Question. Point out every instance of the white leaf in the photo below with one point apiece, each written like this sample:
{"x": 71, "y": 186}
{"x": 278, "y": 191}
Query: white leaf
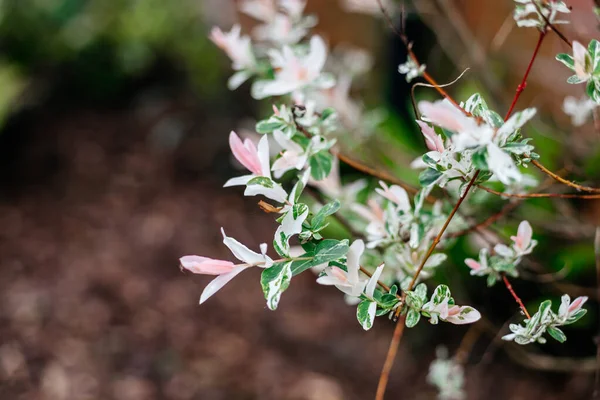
{"x": 353, "y": 260}
{"x": 502, "y": 165}
{"x": 373, "y": 281}
{"x": 219, "y": 282}
{"x": 243, "y": 253}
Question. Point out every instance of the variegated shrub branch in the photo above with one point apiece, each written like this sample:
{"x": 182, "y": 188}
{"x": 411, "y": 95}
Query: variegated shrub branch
{"x": 382, "y": 270}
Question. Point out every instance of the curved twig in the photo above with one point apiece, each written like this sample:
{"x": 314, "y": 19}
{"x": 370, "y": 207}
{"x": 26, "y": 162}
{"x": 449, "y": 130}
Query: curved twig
{"x": 563, "y": 180}
{"x": 540, "y": 195}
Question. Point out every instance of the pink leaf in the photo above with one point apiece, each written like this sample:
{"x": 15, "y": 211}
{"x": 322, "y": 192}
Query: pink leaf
{"x": 246, "y": 153}
{"x": 205, "y": 265}
{"x": 474, "y": 265}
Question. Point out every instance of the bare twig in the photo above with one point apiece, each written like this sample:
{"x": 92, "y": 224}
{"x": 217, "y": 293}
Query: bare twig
{"x": 467, "y": 343}
{"x": 563, "y": 180}
{"x": 396, "y": 339}
{"x": 412, "y": 55}
{"x": 540, "y": 195}
{"x": 377, "y": 174}
{"x": 516, "y": 297}
{"x": 389, "y": 359}
{"x": 523, "y": 83}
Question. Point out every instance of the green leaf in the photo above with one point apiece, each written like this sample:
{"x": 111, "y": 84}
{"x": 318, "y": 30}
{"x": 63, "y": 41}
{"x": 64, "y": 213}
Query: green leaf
{"x": 567, "y": 60}
{"x": 365, "y": 313}
{"x": 326, "y": 113}
{"x": 300, "y": 266}
{"x": 491, "y": 280}
{"x": 494, "y": 119}
{"x": 484, "y": 176}
{"x": 440, "y": 293}
{"x": 299, "y": 209}
{"x": 428, "y": 160}
{"x": 268, "y": 126}
{"x": 413, "y": 300}
{"x": 575, "y": 317}
{"x": 325, "y": 211}
{"x": 557, "y": 334}
{"x": 394, "y": 290}
{"x": 330, "y": 250}
{"x": 324, "y": 252}
{"x": 429, "y": 176}
{"x": 297, "y": 190}
{"x": 412, "y": 318}
{"x": 544, "y": 310}
{"x": 262, "y": 181}
{"x": 476, "y": 105}
{"x": 594, "y": 52}
{"x": 518, "y": 148}
{"x": 417, "y": 233}
{"x": 479, "y": 159}
{"x": 283, "y": 252}
{"x": 574, "y": 80}
{"x": 421, "y": 291}
{"x": 309, "y": 247}
{"x": 596, "y": 91}
{"x": 590, "y": 89}
{"x": 381, "y": 311}
{"x": 320, "y": 165}
{"x": 274, "y": 281}
{"x": 388, "y": 300}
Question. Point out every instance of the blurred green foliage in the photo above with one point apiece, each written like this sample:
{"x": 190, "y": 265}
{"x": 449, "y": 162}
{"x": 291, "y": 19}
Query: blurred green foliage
{"x": 99, "y": 45}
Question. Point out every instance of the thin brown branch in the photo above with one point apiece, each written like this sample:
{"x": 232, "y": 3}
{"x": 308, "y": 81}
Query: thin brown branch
{"x": 479, "y": 227}
{"x": 393, "y": 349}
{"x": 516, "y": 297}
{"x": 523, "y": 83}
{"x": 413, "y": 56}
{"x": 442, "y": 231}
{"x": 563, "y": 180}
{"x": 376, "y": 173}
{"x": 540, "y": 195}
{"x": 467, "y": 343}
{"x": 496, "y": 342}
{"x": 399, "y": 329}
{"x": 389, "y": 359}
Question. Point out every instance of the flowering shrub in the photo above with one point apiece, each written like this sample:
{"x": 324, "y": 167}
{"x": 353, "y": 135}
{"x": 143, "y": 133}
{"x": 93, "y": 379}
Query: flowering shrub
{"x": 393, "y": 241}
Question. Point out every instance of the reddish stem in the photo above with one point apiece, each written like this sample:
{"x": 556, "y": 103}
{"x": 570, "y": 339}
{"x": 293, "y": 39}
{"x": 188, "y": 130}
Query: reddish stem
{"x": 523, "y": 83}
{"x": 516, "y": 297}
{"x": 389, "y": 359}
{"x": 540, "y": 195}
{"x": 391, "y": 355}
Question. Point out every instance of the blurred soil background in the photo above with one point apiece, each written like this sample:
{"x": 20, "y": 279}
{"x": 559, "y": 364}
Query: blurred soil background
{"x": 113, "y": 153}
